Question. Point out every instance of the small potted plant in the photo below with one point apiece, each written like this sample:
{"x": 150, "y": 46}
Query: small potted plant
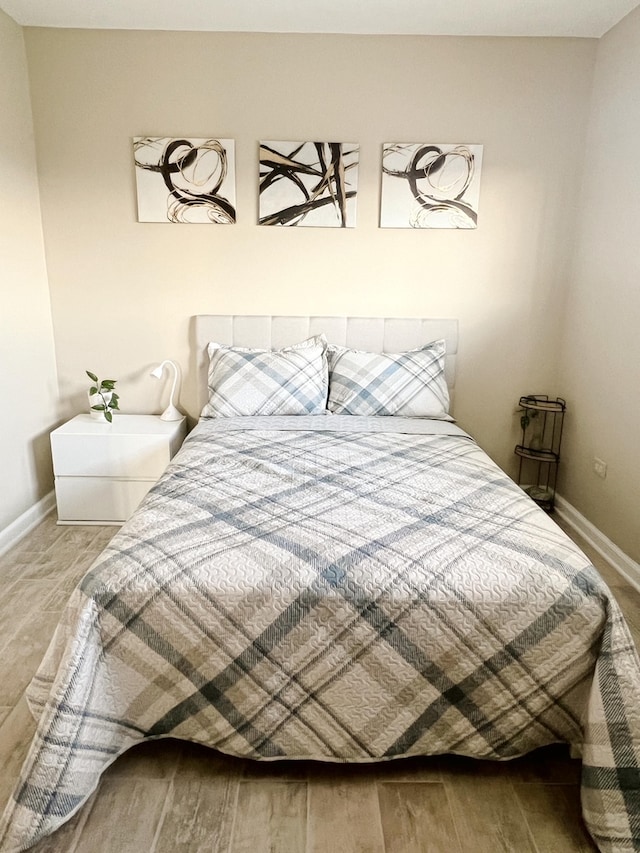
{"x": 528, "y": 415}
{"x": 103, "y": 400}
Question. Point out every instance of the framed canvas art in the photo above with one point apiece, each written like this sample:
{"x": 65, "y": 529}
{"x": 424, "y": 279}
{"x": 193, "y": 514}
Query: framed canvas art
{"x": 308, "y": 183}
{"x": 429, "y": 185}
{"x": 185, "y": 180}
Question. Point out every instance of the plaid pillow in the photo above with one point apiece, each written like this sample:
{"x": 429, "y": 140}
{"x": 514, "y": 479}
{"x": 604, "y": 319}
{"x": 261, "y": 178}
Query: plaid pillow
{"x": 410, "y": 384}
{"x": 289, "y": 381}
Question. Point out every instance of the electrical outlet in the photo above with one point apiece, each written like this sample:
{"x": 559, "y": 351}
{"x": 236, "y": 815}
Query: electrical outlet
{"x": 599, "y": 467}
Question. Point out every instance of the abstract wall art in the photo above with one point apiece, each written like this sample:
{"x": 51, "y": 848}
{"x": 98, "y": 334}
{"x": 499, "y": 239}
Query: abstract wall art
{"x": 428, "y": 185}
{"x": 308, "y": 183}
{"x": 185, "y": 180}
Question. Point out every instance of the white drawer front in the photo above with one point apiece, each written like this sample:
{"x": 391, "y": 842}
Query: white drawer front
{"x": 133, "y": 456}
{"x": 98, "y": 498}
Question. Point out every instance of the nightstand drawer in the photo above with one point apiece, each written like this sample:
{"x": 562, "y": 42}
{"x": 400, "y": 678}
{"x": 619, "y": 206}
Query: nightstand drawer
{"x": 98, "y": 499}
{"x": 128, "y": 456}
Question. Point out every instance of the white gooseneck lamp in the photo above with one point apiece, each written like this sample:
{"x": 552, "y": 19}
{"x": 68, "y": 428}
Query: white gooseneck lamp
{"x": 170, "y": 413}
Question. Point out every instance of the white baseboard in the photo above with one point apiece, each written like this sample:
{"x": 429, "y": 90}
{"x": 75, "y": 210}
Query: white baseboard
{"x": 623, "y": 564}
{"x": 12, "y": 534}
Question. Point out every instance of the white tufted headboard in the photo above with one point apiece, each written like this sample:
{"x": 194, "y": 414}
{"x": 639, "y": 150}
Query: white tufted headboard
{"x": 374, "y": 334}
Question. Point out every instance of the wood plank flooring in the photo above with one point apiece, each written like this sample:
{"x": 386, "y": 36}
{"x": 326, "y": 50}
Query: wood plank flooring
{"x": 175, "y": 797}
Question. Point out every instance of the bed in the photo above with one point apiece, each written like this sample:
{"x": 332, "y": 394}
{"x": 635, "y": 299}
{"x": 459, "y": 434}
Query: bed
{"x": 353, "y": 582}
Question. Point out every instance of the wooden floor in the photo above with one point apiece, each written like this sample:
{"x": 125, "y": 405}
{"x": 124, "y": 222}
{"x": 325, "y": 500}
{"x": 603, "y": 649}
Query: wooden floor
{"x": 173, "y": 797}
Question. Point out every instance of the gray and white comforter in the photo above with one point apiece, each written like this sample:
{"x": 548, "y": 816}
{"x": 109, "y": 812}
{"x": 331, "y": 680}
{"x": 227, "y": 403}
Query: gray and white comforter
{"x": 343, "y": 589}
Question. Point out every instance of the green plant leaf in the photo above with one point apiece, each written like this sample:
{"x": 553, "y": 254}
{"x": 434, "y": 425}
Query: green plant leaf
{"x": 99, "y": 408}
{"x": 93, "y": 390}
{"x": 113, "y": 404}
{"x": 92, "y": 376}
{"x": 108, "y": 416}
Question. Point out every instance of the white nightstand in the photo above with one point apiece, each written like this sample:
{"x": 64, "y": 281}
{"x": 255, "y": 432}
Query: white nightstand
{"x": 102, "y": 471}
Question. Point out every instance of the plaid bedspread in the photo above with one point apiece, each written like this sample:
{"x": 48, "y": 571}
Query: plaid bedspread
{"x": 343, "y": 589}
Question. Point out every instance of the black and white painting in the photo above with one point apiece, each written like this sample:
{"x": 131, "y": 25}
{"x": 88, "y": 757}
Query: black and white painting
{"x": 308, "y": 183}
{"x": 185, "y": 180}
{"x": 428, "y": 185}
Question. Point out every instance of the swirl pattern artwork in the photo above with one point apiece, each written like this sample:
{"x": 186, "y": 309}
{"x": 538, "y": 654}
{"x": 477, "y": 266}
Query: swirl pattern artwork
{"x": 308, "y": 183}
{"x": 429, "y": 185}
{"x": 185, "y": 180}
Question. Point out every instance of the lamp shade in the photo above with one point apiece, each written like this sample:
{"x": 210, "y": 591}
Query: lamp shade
{"x": 171, "y": 413}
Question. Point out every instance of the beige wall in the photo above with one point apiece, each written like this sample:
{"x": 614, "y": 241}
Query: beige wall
{"x": 123, "y": 292}
{"x": 600, "y": 359}
{"x": 28, "y": 386}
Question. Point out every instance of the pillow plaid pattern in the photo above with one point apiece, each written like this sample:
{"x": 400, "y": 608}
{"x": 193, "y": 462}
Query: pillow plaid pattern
{"x": 409, "y": 384}
{"x": 246, "y": 382}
